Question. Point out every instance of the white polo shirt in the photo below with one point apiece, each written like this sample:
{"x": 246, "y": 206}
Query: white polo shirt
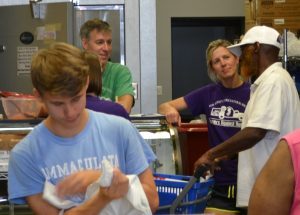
{"x": 274, "y": 106}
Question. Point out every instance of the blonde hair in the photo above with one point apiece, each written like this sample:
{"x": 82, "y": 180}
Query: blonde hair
{"x": 60, "y": 70}
{"x": 209, "y": 52}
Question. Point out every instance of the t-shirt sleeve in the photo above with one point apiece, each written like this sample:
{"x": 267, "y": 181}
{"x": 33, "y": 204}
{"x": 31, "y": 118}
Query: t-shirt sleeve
{"x": 267, "y": 109}
{"x": 196, "y": 99}
{"x": 124, "y": 82}
{"x": 23, "y": 179}
{"x": 293, "y": 142}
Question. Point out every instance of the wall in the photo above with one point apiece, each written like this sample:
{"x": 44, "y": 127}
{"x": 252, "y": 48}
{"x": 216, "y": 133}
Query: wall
{"x": 150, "y": 63}
{"x": 165, "y": 9}
{"x": 140, "y": 50}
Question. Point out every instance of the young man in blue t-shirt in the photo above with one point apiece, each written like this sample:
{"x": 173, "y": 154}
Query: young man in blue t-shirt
{"x": 68, "y": 147}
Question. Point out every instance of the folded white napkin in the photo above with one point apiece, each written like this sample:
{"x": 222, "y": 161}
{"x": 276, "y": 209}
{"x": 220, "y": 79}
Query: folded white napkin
{"x": 134, "y": 203}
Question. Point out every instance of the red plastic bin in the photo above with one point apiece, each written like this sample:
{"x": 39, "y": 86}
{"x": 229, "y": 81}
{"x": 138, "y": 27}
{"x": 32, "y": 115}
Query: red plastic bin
{"x": 193, "y": 138}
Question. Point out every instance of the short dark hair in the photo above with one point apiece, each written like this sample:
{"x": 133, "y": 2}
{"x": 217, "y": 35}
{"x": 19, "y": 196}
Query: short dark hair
{"x": 92, "y": 24}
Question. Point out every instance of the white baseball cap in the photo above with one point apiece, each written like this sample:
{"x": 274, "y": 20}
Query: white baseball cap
{"x": 261, "y": 34}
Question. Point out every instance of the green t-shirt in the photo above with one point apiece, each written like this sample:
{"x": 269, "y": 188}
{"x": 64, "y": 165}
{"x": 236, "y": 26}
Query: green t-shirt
{"x": 116, "y": 81}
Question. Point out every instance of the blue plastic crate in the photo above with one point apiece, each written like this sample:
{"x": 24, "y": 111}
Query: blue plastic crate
{"x": 168, "y": 190}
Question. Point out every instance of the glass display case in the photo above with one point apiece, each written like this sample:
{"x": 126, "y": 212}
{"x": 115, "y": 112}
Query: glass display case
{"x": 11, "y": 132}
{"x": 163, "y": 140}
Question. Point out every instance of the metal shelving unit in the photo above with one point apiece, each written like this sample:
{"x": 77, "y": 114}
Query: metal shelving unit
{"x": 291, "y": 63}
{"x": 3, "y": 176}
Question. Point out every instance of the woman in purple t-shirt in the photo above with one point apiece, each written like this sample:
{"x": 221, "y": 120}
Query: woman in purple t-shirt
{"x": 223, "y": 103}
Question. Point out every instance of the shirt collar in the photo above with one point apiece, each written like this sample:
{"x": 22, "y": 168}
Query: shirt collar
{"x": 267, "y": 73}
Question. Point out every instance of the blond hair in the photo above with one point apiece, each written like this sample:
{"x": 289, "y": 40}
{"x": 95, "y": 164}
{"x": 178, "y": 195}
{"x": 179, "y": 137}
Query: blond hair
{"x": 209, "y": 52}
{"x": 60, "y": 70}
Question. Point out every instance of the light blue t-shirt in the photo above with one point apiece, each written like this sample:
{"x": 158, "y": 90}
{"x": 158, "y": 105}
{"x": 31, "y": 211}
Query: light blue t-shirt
{"x": 42, "y": 156}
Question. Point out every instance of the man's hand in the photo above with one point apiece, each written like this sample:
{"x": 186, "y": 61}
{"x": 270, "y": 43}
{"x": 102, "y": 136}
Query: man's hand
{"x": 118, "y": 188}
{"x": 77, "y": 183}
{"x": 206, "y": 159}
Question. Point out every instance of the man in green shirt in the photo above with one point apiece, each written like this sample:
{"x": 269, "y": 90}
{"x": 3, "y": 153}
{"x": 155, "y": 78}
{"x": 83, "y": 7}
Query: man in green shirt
{"x": 96, "y": 36}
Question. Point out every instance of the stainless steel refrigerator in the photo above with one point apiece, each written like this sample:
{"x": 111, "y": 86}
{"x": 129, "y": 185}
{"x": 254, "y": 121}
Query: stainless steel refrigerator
{"x": 26, "y": 28}
{"x": 21, "y": 35}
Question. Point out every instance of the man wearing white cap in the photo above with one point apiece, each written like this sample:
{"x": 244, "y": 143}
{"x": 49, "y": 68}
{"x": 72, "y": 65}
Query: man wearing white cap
{"x": 272, "y": 111}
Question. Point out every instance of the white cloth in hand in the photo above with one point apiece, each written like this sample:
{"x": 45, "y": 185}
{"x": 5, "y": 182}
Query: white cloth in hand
{"x": 134, "y": 203}
{"x": 50, "y": 195}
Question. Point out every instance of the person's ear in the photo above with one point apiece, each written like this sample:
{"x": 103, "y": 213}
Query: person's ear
{"x": 84, "y": 43}
{"x": 256, "y": 47}
{"x": 37, "y": 94}
{"x": 87, "y": 82}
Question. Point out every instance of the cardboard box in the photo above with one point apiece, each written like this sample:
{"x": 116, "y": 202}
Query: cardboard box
{"x": 275, "y": 8}
{"x": 250, "y": 10}
{"x": 280, "y": 23}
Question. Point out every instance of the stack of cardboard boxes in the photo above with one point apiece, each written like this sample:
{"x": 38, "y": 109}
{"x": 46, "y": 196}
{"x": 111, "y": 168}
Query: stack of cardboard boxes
{"x": 279, "y": 14}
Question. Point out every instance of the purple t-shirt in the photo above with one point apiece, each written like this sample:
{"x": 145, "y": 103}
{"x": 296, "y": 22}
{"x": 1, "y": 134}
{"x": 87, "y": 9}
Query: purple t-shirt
{"x": 96, "y": 104}
{"x": 224, "y": 109}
